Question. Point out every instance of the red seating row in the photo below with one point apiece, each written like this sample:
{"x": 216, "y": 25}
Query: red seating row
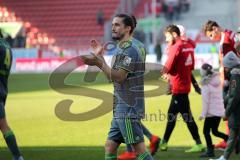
{"x": 56, "y": 20}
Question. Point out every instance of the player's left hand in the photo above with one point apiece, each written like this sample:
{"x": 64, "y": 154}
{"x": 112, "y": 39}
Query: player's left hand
{"x": 93, "y": 60}
{"x": 198, "y": 90}
{"x": 97, "y": 47}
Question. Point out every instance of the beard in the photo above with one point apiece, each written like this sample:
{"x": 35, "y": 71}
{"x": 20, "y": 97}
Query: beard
{"x": 117, "y": 37}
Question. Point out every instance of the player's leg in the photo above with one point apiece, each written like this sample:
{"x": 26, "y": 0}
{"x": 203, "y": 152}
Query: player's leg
{"x": 128, "y": 154}
{"x": 131, "y": 129}
{"x": 230, "y": 144}
{"x": 154, "y": 140}
{"x": 111, "y": 150}
{"x": 171, "y": 122}
{"x": 184, "y": 106}
{"x": 224, "y": 83}
{"x": 142, "y": 152}
{"x": 8, "y": 134}
{"x": 237, "y": 146}
{"x": 113, "y": 141}
{"x": 154, "y": 144}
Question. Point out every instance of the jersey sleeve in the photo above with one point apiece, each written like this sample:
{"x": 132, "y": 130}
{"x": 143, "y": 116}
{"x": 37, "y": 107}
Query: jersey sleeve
{"x": 172, "y": 56}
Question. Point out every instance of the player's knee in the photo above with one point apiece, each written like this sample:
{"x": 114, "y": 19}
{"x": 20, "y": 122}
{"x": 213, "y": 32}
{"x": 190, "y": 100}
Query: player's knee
{"x": 110, "y": 147}
{"x": 139, "y": 148}
{"x": 3, "y": 125}
{"x": 215, "y": 132}
{"x": 206, "y": 132}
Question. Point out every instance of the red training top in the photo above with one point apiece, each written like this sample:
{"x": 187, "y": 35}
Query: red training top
{"x": 179, "y": 65}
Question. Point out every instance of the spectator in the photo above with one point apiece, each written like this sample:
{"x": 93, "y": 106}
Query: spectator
{"x": 21, "y": 38}
{"x": 212, "y": 106}
{"x": 158, "y": 51}
{"x": 100, "y": 17}
{"x": 139, "y": 35}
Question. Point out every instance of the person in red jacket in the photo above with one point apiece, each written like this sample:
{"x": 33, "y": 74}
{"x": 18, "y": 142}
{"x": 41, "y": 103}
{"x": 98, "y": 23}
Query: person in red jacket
{"x": 193, "y": 44}
{"x": 179, "y": 66}
{"x": 229, "y": 41}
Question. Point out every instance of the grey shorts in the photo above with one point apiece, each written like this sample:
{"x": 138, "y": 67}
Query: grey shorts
{"x": 126, "y": 130}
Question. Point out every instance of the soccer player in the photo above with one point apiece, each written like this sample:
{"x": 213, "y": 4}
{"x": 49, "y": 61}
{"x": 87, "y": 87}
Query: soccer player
{"x": 179, "y": 65}
{"x": 5, "y": 66}
{"x": 154, "y": 140}
{"x": 127, "y": 76}
{"x": 228, "y": 42}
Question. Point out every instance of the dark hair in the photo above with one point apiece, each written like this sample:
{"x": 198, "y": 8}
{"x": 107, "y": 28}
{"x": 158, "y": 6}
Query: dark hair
{"x": 209, "y": 26}
{"x": 134, "y": 21}
{"x": 172, "y": 28}
{"x": 128, "y": 21}
{"x": 208, "y": 68}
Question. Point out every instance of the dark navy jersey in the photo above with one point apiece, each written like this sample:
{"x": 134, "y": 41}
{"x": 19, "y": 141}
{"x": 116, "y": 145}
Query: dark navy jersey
{"x": 5, "y": 66}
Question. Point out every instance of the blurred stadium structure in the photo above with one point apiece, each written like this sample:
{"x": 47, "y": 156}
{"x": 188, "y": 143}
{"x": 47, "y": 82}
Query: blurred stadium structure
{"x": 46, "y": 33}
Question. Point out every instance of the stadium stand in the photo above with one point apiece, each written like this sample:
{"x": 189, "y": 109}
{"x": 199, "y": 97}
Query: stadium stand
{"x": 68, "y": 24}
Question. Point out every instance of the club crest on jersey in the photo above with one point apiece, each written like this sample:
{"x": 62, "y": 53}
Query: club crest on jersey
{"x": 127, "y": 60}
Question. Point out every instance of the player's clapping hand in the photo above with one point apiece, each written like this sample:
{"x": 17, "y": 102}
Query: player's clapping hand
{"x": 93, "y": 60}
{"x": 97, "y": 47}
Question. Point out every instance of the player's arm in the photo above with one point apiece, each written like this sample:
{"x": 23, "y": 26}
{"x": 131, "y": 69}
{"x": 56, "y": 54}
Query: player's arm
{"x": 170, "y": 63}
{"x": 195, "y": 84}
{"x": 114, "y": 75}
{"x": 124, "y": 64}
{"x": 99, "y": 61}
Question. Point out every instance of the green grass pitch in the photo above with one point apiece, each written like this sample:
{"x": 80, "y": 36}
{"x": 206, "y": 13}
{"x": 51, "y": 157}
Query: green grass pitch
{"x": 42, "y": 135}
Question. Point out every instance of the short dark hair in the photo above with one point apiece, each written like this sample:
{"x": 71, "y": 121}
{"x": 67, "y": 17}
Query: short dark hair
{"x": 172, "y": 28}
{"x": 128, "y": 21}
{"x": 209, "y": 26}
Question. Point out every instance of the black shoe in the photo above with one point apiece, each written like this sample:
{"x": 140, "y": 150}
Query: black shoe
{"x": 209, "y": 153}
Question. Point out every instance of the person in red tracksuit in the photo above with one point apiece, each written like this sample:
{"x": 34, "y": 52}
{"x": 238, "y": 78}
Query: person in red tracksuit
{"x": 179, "y": 66}
{"x": 229, "y": 41}
{"x": 193, "y": 44}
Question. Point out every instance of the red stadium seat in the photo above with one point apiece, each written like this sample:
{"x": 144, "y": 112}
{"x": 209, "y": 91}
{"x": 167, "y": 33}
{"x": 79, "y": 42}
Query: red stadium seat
{"x": 68, "y": 22}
